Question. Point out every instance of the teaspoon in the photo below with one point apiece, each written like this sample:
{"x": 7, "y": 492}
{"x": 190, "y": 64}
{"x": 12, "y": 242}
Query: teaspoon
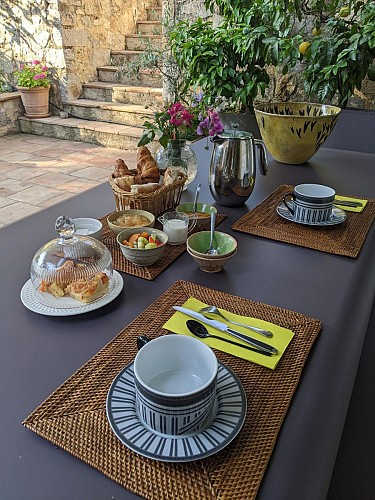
{"x": 212, "y": 310}
{"x": 196, "y": 198}
{"x": 201, "y": 331}
{"x": 211, "y": 250}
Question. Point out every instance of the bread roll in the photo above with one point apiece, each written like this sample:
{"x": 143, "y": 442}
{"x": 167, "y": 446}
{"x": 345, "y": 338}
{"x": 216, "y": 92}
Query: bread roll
{"x": 170, "y": 175}
{"x": 145, "y": 188}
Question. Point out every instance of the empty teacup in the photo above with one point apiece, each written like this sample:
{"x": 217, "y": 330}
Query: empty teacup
{"x": 310, "y": 203}
{"x": 175, "y": 380}
{"x": 177, "y": 225}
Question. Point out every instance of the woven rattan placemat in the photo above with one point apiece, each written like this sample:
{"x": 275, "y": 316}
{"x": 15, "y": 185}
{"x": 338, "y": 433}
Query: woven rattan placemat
{"x": 120, "y": 263}
{"x": 74, "y": 416}
{"x": 343, "y": 239}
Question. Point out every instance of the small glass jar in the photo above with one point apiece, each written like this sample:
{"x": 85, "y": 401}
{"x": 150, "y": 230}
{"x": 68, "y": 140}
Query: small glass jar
{"x": 178, "y": 155}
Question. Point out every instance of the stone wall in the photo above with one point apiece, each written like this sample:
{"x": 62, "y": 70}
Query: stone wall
{"x": 72, "y": 36}
{"x": 10, "y": 109}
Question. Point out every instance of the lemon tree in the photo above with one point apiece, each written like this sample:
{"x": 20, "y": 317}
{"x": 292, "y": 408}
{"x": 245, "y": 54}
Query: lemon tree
{"x": 334, "y": 40}
{"x": 341, "y": 58}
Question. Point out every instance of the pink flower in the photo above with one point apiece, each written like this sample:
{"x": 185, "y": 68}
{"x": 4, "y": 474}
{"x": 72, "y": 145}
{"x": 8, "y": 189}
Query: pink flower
{"x": 44, "y": 68}
{"x": 40, "y": 76}
{"x": 179, "y": 115}
{"x": 36, "y": 62}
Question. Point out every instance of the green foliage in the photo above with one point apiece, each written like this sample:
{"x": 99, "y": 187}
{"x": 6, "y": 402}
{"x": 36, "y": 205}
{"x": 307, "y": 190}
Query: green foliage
{"x": 32, "y": 75}
{"x": 342, "y": 56}
{"x": 230, "y": 60}
{"x": 5, "y": 85}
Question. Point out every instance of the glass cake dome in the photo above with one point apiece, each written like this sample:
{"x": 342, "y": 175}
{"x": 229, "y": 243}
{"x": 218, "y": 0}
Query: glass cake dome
{"x": 71, "y": 270}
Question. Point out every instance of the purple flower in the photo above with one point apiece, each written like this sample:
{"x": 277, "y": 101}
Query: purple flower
{"x": 197, "y": 99}
{"x": 211, "y": 124}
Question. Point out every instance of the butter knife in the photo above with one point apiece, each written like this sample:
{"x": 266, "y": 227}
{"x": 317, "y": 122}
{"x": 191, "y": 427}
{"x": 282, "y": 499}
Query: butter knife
{"x": 225, "y": 328}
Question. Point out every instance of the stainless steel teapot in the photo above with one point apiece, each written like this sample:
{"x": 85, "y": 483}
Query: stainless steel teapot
{"x": 233, "y": 166}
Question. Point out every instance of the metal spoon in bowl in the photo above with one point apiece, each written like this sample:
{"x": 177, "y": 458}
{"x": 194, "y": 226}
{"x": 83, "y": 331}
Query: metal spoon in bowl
{"x": 211, "y": 250}
{"x": 212, "y": 310}
{"x": 196, "y": 198}
{"x": 201, "y": 331}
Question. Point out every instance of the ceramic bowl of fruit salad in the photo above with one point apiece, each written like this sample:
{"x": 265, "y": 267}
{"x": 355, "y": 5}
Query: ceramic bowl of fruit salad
{"x": 142, "y": 247}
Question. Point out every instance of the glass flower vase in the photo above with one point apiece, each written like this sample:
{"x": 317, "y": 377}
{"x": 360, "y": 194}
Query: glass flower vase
{"x": 178, "y": 155}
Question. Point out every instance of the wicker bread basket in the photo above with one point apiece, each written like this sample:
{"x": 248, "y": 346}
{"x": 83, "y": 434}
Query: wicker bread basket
{"x": 165, "y": 198}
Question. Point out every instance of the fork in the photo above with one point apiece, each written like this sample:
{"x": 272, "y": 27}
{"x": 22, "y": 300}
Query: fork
{"x": 213, "y": 310}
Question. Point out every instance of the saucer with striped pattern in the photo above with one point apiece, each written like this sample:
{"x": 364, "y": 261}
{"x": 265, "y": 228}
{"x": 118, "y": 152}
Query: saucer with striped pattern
{"x": 338, "y": 216}
{"x": 133, "y": 433}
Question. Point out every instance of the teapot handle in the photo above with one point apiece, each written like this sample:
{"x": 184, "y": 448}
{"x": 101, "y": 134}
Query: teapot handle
{"x": 263, "y": 167}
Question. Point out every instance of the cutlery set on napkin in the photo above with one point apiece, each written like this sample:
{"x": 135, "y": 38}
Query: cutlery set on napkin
{"x": 251, "y": 347}
{"x": 350, "y": 204}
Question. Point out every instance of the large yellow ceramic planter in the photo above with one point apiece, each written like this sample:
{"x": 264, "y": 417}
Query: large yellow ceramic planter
{"x": 293, "y": 132}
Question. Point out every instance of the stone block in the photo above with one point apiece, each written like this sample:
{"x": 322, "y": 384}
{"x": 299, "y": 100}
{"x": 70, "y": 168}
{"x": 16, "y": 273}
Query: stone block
{"x": 75, "y": 38}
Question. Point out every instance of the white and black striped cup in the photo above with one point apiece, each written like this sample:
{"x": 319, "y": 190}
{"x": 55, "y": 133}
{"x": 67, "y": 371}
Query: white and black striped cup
{"x": 310, "y": 203}
{"x": 175, "y": 381}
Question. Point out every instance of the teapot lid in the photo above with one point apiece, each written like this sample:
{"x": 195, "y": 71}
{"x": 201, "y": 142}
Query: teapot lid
{"x": 240, "y": 135}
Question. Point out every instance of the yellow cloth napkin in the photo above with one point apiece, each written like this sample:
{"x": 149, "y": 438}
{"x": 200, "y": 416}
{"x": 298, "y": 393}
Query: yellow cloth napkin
{"x": 281, "y": 336}
{"x": 351, "y": 209}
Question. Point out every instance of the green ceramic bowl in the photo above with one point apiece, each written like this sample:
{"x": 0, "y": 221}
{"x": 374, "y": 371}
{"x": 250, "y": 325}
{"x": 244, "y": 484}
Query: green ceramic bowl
{"x": 224, "y": 243}
{"x": 208, "y": 264}
{"x": 203, "y": 211}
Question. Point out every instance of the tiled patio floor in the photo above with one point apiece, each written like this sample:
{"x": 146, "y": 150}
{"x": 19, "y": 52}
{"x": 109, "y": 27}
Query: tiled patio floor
{"x": 37, "y": 172}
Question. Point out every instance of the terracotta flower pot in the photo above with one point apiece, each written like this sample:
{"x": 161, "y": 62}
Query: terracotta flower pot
{"x": 35, "y": 101}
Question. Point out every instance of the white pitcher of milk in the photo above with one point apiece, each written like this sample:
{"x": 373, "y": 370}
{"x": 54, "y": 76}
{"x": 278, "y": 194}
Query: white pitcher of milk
{"x": 177, "y": 225}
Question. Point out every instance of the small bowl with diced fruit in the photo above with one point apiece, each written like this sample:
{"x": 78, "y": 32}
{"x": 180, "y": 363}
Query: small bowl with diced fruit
{"x": 142, "y": 247}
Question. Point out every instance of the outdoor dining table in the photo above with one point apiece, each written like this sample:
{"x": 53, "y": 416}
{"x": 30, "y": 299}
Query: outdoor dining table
{"x": 38, "y": 353}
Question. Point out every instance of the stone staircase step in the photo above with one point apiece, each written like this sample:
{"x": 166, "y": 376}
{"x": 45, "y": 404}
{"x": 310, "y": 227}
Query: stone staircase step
{"x": 149, "y": 77}
{"x": 110, "y": 112}
{"x": 154, "y": 13}
{"x": 149, "y": 27}
{"x": 75, "y": 129}
{"x": 119, "y": 57}
{"x": 137, "y": 42}
{"x": 116, "y": 92}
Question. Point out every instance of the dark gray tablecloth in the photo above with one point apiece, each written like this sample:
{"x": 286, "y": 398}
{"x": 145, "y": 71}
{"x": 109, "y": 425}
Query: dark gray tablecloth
{"x": 38, "y": 353}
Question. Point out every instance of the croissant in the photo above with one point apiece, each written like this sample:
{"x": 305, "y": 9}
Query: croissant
{"x": 142, "y": 155}
{"x": 146, "y": 166}
{"x": 121, "y": 169}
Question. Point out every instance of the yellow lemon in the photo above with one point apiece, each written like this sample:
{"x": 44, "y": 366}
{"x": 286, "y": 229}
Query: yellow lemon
{"x": 303, "y": 47}
{"x": 344, "y": 11}
{"x": 316, "y": 31}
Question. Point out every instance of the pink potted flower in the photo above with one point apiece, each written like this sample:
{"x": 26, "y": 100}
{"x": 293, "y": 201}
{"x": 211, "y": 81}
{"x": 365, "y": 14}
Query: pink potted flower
{"x": 33, "y": 83}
